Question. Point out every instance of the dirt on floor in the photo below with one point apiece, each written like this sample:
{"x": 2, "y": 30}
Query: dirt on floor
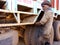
{"x": 21, "y": 42}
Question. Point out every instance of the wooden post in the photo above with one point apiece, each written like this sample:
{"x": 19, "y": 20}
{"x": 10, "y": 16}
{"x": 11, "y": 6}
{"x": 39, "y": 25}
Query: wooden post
{"x": 11, "y": 5}
{"x": 18, "y": 16}
{"x": 35, "y": 7}
{"x": 14, "y": 5}
{"x": 8, "y": 5}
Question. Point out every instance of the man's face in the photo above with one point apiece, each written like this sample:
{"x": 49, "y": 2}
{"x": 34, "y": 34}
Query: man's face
{"x": 45, "y": 7}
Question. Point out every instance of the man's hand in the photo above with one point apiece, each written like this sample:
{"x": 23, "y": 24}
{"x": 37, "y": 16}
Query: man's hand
{"x": 37, "y": 23}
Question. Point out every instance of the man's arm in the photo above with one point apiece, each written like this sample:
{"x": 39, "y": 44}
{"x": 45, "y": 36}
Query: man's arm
{"x": 45, "y": 18}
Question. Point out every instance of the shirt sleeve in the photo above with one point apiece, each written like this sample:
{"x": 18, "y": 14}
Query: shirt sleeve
{"x": 47, "y": 16}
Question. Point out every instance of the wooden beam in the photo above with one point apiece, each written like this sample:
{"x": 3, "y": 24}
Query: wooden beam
{"x": 15, "y": 24}
{"x": 4, "y": 25}
{"x": 18, "y": 17}
{"x": 7, "y": 11}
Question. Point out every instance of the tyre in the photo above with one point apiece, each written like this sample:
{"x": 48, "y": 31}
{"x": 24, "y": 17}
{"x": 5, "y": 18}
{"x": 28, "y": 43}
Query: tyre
{"x": 34, "y": 36}
{"x": 8, "y": 37}
{"x": 38, "y": 38}
{"x": 56, "y": 26}
{"x": 31, "y": 35}
{"x": 27, "y": 35}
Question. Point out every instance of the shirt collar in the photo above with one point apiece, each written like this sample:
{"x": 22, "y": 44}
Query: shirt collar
{"x": 48, "y": 9}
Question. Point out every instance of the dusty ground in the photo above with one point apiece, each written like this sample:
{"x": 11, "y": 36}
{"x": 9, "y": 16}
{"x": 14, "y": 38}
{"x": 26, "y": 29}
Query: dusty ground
{"x": 22, "y": 43}
{"x": 56, "y": 43}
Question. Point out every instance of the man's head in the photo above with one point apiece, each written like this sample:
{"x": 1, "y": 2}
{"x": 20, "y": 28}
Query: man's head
{"x": 45, "y": 5}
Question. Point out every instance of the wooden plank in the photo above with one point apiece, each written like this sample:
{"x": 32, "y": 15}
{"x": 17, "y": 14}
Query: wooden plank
{"x": 15, "y": 24}
{"x": 4, "y": 25}
{"x": 26, "y": 23}
{"x": 28, "y": 13}
{"x": 18, "y": 17}
{"x": 7, "y": 11}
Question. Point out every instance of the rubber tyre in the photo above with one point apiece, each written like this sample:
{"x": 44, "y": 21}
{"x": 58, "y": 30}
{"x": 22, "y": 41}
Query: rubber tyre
{"x": 9, "y": 36}
{"x": 38, "y": 34}
{"x": 35, "y": 36}
{"x": 27, "y": 35}
{"x": 56, "y": 26}
{"x": 32, "y": 35}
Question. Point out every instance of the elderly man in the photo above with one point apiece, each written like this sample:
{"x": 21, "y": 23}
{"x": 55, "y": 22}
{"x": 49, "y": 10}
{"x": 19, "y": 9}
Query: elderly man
{"x": 47, "y": 21}
{"x": 41, "y": 33}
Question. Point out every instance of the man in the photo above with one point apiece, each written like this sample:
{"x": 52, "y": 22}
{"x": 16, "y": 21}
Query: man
{"x": 41, "y": 33}
{"x": 47, "y": 21}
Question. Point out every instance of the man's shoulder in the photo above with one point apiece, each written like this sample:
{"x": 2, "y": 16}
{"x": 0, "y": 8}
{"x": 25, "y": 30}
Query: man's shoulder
{"x": 49, "y": 13}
